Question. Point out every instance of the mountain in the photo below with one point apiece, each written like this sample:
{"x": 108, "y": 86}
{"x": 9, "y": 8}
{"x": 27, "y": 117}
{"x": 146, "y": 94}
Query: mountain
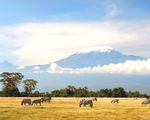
{"x": 88, "y": 57}
{"x": 91, "y": 57}
{"x": 6, "y": 66}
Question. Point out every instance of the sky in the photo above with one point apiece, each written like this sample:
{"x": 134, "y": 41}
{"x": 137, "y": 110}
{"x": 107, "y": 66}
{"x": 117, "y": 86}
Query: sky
{"x": 43, "y": 31}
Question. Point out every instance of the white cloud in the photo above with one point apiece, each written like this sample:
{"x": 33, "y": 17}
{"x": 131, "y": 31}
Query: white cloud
{"x": 40, "y": 43}
{"x": 96, "y": 49}
{"x": 38, "y": 72}
{"x": 20, "y": 67}
{"x": 36, "y": 68}
{"x": 140, "y": 67}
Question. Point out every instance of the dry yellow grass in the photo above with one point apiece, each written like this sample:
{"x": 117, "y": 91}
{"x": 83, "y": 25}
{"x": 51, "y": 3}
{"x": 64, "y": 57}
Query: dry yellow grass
{"x": 68, "y": 109}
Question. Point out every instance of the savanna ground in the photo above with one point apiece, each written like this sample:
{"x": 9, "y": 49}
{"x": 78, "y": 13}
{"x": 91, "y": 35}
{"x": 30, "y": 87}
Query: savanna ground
{"x": 68, "y": 109}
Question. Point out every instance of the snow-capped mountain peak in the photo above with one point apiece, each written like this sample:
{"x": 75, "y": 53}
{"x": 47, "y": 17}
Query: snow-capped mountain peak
{"x": 95, "y": 49}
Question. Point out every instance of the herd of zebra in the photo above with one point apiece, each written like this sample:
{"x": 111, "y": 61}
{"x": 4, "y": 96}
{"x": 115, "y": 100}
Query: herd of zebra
{"x": 90, "y": 102}
{"x": 37, "y": 101}
{"x": 81, "y": 101}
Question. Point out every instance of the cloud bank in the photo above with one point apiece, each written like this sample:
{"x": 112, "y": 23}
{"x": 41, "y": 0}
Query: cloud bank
{"x": 42, "y": 43}
{"x": 140, "y": 67}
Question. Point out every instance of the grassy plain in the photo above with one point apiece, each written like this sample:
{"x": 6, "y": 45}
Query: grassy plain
{"x": 68, "y": 109}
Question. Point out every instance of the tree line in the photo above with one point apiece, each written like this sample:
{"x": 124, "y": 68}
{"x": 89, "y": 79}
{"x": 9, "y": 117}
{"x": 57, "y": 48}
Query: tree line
{"x": 71, "y": 91}
{"x": 11, "y": 81}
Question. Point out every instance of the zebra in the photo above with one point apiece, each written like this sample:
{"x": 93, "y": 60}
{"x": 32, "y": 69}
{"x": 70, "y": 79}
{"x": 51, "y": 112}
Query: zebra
{"x": 46, "y": 99}
{"x": 115, "y": 101}
{"x": 147, "y": 97}
{"x": 94, "y": 99}
{"x": 81, "y": 99}
{"x": 26, "y": 101}
{"x": 86, "y": 102}
{"x": 38, "y": 101}
{"x": 145, "y": 102}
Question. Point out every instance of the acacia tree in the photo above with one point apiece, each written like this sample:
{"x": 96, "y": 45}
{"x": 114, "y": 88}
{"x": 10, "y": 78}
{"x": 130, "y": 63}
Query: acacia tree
{"x": 70, "y": 90}
{"x": 29, "y": 85}
{"x": 119, "y": 92}
{"x": 9, "y": 82}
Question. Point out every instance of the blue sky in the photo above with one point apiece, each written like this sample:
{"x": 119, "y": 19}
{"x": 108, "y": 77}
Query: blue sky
{"x": 31, "y": 27}
{"x": 18, "y": 11}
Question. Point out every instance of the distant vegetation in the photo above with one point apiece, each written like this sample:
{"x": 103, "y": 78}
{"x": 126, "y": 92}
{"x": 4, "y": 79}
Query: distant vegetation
{"x": 71, "y": 91}
{"x": 10, "y": 82}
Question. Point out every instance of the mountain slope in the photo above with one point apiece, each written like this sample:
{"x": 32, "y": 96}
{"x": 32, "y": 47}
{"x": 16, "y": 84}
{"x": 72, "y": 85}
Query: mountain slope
{"x": 85, "y": 58}
{"x": 94, "y": 58}
{"x": 7, "y": 67}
